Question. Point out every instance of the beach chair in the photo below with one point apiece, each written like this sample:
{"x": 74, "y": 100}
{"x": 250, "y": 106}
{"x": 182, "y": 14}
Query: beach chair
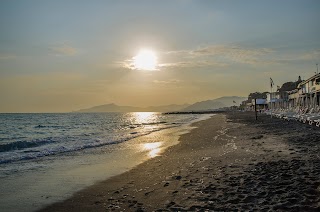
{"x": 317, "y": 122}
{"x": 303, "y": 118}
{"x": 303, "y": 111}
{"x": 290, "y": 112}
{"x": 281, "y": 113}
{"x": 276, "y": 112}
{"x": 295, "y": 116}
{"x": 312, "y": 119}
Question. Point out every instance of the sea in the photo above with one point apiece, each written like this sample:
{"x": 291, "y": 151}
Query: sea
{"x": 47, "y": 157}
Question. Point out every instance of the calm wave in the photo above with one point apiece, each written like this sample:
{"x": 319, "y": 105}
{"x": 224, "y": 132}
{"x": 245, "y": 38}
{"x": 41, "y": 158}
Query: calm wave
{"x": 30, "y": 136}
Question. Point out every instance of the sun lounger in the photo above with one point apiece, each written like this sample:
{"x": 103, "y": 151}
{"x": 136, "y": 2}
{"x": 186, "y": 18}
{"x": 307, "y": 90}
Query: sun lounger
{"x": 316, "y": 115}
{"x": 303, "y": 118}
{"x": 296, "y": 115}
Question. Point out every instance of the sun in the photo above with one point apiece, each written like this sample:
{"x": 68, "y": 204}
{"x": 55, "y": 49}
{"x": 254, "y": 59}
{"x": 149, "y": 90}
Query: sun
{"x": 145, "y": 60}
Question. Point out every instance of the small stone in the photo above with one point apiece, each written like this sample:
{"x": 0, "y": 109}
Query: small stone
{"x": 178, "y": 177}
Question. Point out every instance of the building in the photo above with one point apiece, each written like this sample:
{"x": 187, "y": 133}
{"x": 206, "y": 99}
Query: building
{"x": 309, "y": 92}
{"x": 298, "y": 94}
{"x": 293, "y": 97}
{"x": 273, "y": 100}
{"x": 261, "y": 104}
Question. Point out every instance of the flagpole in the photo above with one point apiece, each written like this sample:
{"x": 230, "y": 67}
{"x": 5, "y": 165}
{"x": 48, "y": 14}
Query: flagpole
{"x": 271, "y": 83}
{"x": 271, "y": 100}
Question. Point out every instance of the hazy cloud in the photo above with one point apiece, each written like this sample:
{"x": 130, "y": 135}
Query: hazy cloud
{"x": 192, "y": 64}
{"x": 224, "y": 55}
{"x": 235, "y": 54}
{"x": 6, "y": 56}
{"x": 171, "y": 81}
{"x": 63, "y": 50}
{"x": 231, "y": 50}
{"x": 178, "y": 52}
{"x": 128, "y": 64}
{"x": 313, "y": 55}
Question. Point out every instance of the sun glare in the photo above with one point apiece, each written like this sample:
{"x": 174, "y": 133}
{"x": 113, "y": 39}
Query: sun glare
{"x": 153, "y": 148}
{"x": 145, "y": 60}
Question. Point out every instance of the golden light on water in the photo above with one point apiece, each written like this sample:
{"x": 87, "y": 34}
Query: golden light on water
{"x": 145, "y": 60}
{"x": 153, "y": 148}
{"x": 144, "y": 117}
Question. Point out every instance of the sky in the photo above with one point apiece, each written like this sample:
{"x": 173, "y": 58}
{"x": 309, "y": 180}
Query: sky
{"x": 66, "y": 55}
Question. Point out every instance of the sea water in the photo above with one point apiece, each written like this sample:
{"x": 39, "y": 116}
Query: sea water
{"x": 45, "y": 158}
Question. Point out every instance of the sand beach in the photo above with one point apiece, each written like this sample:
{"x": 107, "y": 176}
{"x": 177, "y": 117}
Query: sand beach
{"x": 230, "y": 162}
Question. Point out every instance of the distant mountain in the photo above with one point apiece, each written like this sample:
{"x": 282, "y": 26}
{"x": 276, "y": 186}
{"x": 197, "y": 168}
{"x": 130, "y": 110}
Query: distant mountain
{"x": 228, "y": 100}
{"x": 205, "y": 105}
{"x": 117, "y": 108}
{"x": 221, "y": 102}
{"x": 109, "y": 108}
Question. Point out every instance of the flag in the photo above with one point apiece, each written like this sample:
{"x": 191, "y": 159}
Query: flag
{"x": 271, "y": 82}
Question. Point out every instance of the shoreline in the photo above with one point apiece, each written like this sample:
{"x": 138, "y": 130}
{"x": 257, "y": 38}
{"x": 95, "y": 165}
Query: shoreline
{"x": 228, "y": 162}
{"x": 56, "y": 179}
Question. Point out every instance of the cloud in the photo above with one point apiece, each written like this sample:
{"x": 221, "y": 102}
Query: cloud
{"x": 236, "y": 54}
{"x": 178, "y": 52}
{"x": 192, "y": 64}
{"x": 171, "y": 81}
{"x": 313, "y": 55}
{"x": 63, "y": 50}
{"x": 179, "y": 59}
{"x": 6, "y": 56}
{"x": 129, "y": 64}
{"x": 225, "y": 55}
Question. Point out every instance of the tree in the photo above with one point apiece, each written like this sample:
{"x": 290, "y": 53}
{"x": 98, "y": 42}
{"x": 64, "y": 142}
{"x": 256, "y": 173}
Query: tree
{"x": 257, "y": 95}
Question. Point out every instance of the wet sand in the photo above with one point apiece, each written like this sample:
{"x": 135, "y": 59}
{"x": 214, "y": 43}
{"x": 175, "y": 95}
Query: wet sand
{"x": 229, "y": 162}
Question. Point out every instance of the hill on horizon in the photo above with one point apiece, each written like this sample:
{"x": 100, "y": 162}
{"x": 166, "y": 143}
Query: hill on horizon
{"x": 221, "y": 102}
{"x": 117, "y": 108}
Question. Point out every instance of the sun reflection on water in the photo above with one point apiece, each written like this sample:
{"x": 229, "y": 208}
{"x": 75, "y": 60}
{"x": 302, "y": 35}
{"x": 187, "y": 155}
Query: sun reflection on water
{"x": 144, "y": 117}
{"x": 153, "y": 148}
